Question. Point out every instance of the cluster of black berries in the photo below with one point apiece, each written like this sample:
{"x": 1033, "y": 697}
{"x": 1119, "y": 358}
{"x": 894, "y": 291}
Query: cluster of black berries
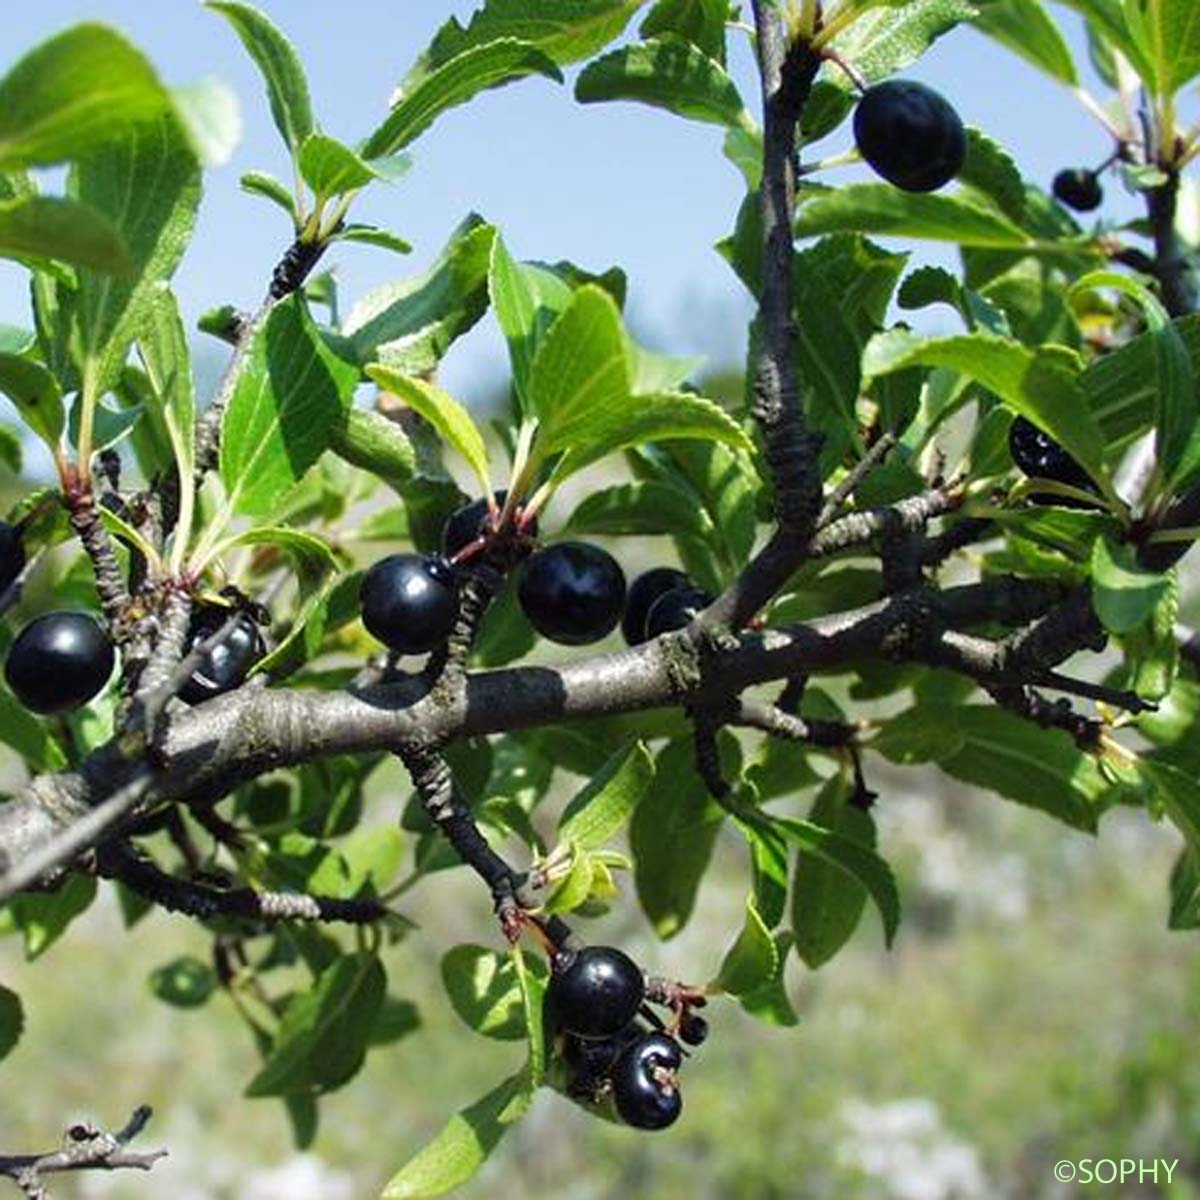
{"x": 594, "y": 1000}
{"x": 910, "y": 135}
{"x": 572, "y": 593}
{"x": 61, "y": 660}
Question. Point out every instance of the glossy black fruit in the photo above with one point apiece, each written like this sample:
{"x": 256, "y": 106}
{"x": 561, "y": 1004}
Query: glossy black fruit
{"x": 910, "y": 135}
{"x": 410, "y": 602}
{"x": 596, "y": 992}
{"x": 693, "y": 1029}
{"x": 226, "y": 667}
{"x": 1038, "y": 455}
{"x": 590, "y": 1061}
{"x": 572, "y": 593}
{"x": 12, "y": 555}
{"x": 676, "y": 609}
{"x": 1079, "y": 189}
{"x": 643, "y": 592}
{"x": 59, "y": 662}
{"x": 469, "y": 523}
{"x": 645, "y": 1087}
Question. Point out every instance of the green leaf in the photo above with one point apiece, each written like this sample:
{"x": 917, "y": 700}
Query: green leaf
{"x": 148, "y": 185}
{"x": 1040, "y": 385}
{"x": 827, "y": 903}
{"x": 259, "y": 183}
{"x": 369, "y": 235}
{"x": 582, "y": 364}
{"x": 1025, "y": 28}
{"x": 638, "y": 508}
{"x": 454, "y": 82}
{"x": 71, "y": 94}
{"x": 12, "y": 1021}
{"x": 1108, "y": 17}
{"x": 527, "y": 299}
{"x": 315, "y": 567}
{"x": 567, "y": 31}
{"x": 881, "y": 209}
{"x": 1070, "y": 531}
{"x": 43, "y": 917}
{"x": 485, "y": 992}
{"x": 751, "y": 961}
{"x": 374, "y": 443}
{"x": 1041, "y": 768}
{"x": 1179, "y": 793}
{"x": 165, "y": 353}
{"x": 49, "y": 227}
{"x": 665, "y": 72}
{"x": 1124, "y": 595}
{"x": 331, "y": 168}
{"x": 989, "y": 169}
{"x": 1185, "y": 891}
{"x": 322, "y": 1039}
{"x": 579, "y": 389}
{"x": 1169, "y": 33}
{"x": 110, "y": 424}
{"x": 701, "y": 22}
{"x": 858, "y": 861}
{"x": 462, "y": 1146}
{"x": 29, "y": 737}
{"x": 36, "y": 395}
{"x": 1122, "y": 386}
{"x": 443, "y": 412}
{"x": 409, "y": 325}
{"x": 291, "y": 394}
{"x": 10, "y": 450}
{"x": 601, "y": 809}
{"x": 184, "y": 982}
{"x": 1176, "y": 439}
{"x": 532, "y": 980}
{"x": 672, "y": 835}
{"x": 277, "y": 61}
{"x": 209, "y": 112}
{"x": 365, "y": 862}
{"x": 770, "y": 1002}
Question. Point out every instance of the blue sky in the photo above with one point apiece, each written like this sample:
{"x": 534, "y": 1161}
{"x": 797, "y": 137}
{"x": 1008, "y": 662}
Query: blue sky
{"x": 602, "y": 184}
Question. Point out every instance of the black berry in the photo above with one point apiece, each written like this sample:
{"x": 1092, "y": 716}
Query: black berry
{"x": 1039, "y": 456}
{"x": 693, "y": 1029}
{"x": 676, "y": 609}
{"x": 410, "y": 602}
{"x": 59, "y": 662}
{"x": 469, "y": 523}
{"x": 225, "y": 667}
{"x": 910, "y": 135}
{"x": 590, "y": 1061}
{"x": 644, "y": 1082}
{"x": 572, "y": 593}
{"x": 12, "y": 555}
{"x": 643, "y": 592}
{"x": 595, "y": 992}
{"x": 1079, "y": 189}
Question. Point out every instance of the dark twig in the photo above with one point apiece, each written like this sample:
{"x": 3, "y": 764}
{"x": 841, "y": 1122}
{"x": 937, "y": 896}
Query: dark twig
{"x": 85, "y": 1148}
{"x": 120, "y": 860}
{"x": 110, "y": 586}
{"x": 706, "y": 725}
{"x": 861, "y": 469}
{"x": 787, "y": 76}
{"x": 1050, "y": 714}
{"x": 773, "y": 720}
